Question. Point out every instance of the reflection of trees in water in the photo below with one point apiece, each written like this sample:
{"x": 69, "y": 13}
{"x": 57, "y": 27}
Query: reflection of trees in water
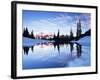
{"x": 32, "y": 48}
{"x": 26, "y": 49}
{"x": 71, "y": 47}
{"x": 79, "y": 50}
{"x": 57, "y": 46}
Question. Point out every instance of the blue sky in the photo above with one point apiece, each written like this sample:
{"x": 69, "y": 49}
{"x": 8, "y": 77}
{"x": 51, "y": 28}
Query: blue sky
{"x": 49, "y": 22}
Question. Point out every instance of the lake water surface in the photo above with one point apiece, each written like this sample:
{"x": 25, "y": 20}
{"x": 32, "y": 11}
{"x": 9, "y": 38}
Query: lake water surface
{"x": 55, "y": 55}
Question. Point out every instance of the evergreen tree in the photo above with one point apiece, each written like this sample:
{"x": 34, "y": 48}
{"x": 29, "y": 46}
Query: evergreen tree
{"x": 71, "y": 35}
{"x": 79, "y": 31}
{"x": 67, "y": 37}
{"x": 58, "y": 34}
{"x": 32, "y": 35}
{"x": 25, "y": 33}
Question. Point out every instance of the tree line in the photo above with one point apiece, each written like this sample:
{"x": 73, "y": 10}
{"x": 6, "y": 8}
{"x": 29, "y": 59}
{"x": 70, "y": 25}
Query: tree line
{"x": 57, "y": 37}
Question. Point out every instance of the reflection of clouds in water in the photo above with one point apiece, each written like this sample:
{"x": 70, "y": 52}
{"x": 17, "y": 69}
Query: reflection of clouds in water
{"x": 49, "y": 47}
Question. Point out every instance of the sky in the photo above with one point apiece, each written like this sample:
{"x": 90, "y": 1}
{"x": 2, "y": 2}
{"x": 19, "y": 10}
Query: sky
{"x": 49, "y": 22}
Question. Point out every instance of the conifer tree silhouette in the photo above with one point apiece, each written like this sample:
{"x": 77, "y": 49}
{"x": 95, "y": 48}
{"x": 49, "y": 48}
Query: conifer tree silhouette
{"x": 25, "y": 32}
{"x": 71, "y": 35}
{"x": 58, "y": 34}
{"x": 32, "y": 35}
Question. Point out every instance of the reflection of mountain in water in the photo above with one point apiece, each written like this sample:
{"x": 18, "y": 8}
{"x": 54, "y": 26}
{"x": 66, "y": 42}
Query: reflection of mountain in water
{"x": 57, "y": 46}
